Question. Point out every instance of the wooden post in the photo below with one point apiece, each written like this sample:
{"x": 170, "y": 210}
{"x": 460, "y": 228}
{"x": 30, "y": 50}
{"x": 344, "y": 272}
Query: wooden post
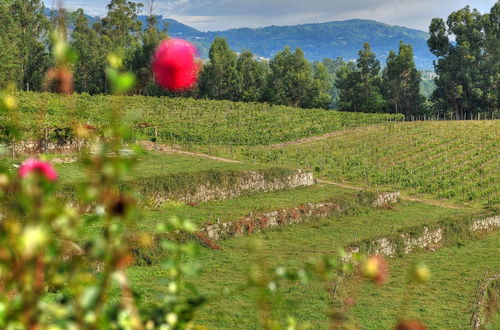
{"x": 156, "y": 138}
{"x": 46, "y": 141}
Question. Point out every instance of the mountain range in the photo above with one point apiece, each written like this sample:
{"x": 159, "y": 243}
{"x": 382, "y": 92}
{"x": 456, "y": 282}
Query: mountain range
{"x": 317, "y": 40}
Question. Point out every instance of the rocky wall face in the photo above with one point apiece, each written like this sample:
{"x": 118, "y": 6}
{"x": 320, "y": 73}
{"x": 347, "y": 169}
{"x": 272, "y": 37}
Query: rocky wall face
{"x": 486, "y": 225}
{"x": 386, "y": 199}
{"x": 282, "y": 217}
{"x": 37, "y": 147}
{"x": 429, "y": 239}
{"x": 250, "y": 182}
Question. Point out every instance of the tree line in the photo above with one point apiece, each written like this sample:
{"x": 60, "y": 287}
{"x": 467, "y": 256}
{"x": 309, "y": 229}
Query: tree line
{"x": 466, "y": 48}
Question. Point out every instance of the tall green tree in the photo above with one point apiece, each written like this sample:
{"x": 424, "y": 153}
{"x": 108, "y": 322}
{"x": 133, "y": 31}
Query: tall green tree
{"x": 370, "y": 84}
{"x": 320, "y": 95}
{"x": 32, "y": 29}
{"x": 492, "y": 59}
{"x": 253, "y": 76}
{"x": 401, "y": 82}
{"x": 220, "y": 79}
{"x": 290, "y": 79}
{"x": 121, "y": 26}
{"x": 89, "y": 71}
{"x": 10, "y": 68}
{"x": 360, "y": 85}
{"x": 141, "y": 61}
{"x": 467, "y": 49}
{"x": 333, "y": 67}
{"x": 347, "y": 85}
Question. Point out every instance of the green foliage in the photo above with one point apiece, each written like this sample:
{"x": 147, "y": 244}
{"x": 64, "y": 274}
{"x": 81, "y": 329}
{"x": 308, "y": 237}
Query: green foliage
{"x": 89, "y": 70}
{"x": 220, "y": 79}
{"x": 290, "y": 79}
{"x": 253, "y": 77}
{"x": 467, "y": 49}
{"x": 30, "y": 27}
{"x": 401, "y": 82}
{"x": 120, "y": 26}
{"x": 10, "y": 68}
{"x": 141, "y": 60}
{"x": 360, "y": 86}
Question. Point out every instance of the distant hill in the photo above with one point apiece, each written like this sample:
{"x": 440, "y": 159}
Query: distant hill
{"x": 317, "y": 40}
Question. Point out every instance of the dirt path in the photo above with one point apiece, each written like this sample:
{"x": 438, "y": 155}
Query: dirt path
{"x": 169, "y": 150}
{"x": 321, "y": 137}
{"x": 403, "y": 197}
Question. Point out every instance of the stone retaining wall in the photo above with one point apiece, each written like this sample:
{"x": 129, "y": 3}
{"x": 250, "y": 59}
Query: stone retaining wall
{"x": 429, "y": 238}
{"x": 42, "y": 146}
{"x": 246, "y": 182}
{"x": 282, "y": 217}
{"x": 479, "y": 316}
{"x": 486, "y": 225}
{"x": 387, "y": 198}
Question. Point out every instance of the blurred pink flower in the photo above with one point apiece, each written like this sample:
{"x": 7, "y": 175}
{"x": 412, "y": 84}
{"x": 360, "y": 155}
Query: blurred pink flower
{"x": 175, "y": 66}
{"x": 37, "y": 166}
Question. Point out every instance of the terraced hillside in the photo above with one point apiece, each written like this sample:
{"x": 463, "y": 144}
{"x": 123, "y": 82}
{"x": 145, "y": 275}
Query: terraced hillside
{"x": 457, "y": 160}
{"x": 255, "y": 216}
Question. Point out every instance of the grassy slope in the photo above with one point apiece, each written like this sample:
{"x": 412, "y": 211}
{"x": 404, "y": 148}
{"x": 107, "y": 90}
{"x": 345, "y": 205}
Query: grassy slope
{"x": 287, "y": 246}
{"x": 190, "y": 121}
{"x": 153, "y": 164}
{"x": 443, "y": 303}
{"x": 232, "y": 209}
{"x": 456, "y": 160}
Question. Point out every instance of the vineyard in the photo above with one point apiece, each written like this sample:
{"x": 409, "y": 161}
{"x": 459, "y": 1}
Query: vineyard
{"x": 455, "y": 160}
{"x": 187, "y": 121}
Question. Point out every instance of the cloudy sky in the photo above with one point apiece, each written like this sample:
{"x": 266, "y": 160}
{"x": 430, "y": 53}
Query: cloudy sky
{"x": 212, "y": 15}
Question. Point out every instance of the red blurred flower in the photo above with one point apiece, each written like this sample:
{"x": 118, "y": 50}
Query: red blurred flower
{"x": 410, "y": 325}
{"x": 59, "y": 79}
{"x": 38, "y": 167}
{"x": 175, "y": 66}
{"x": 376, "y": 269}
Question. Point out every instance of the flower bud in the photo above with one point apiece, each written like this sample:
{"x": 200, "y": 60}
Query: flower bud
{"x": 172, "y": 318}
{"x": 376, "y": 269}
{"x": 115, "y": 61}
{"x": 10, "y": 102}
{"x": 410, "y": 325}
{"x": 4, "y": 180}
{"x": 421, "y": 273}
{"x": 33, "y": 239}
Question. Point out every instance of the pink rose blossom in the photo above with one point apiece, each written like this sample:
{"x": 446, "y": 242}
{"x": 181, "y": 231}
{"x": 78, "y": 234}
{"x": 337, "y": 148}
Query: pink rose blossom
{"x": 38, "y": 167}
{"x": 175, "y": 66}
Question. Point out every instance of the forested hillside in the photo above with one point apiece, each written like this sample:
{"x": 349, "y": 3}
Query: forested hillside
{"x": 317, "y": 40}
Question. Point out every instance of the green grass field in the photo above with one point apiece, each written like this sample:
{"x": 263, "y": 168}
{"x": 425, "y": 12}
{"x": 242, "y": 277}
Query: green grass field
{"x": 445, "y": 302}
{"x": 227, "y": 270}
{"x": 151, "y": 164}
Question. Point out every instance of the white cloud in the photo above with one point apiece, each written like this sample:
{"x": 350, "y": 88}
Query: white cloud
{"x": 225, "y": 14}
